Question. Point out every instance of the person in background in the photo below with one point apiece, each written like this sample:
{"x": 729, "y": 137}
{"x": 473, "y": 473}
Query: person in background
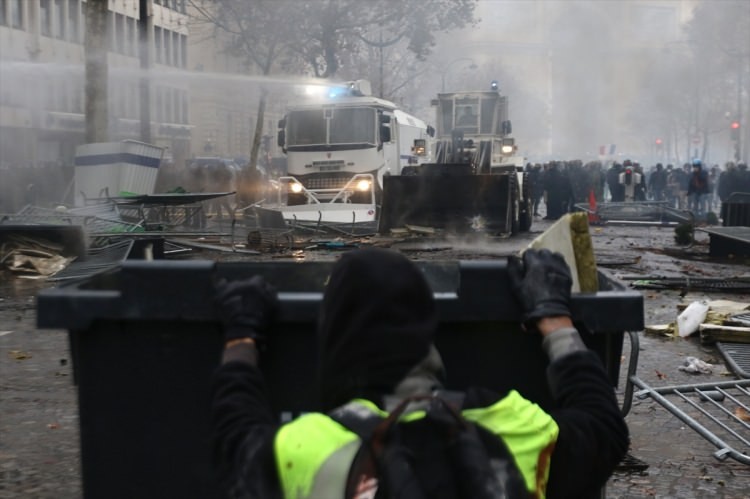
{"x": 698, "y": 189}
{"x": 657, "y": 183}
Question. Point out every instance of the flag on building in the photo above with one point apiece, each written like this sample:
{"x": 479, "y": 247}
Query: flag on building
{"x": 611, "y": 148}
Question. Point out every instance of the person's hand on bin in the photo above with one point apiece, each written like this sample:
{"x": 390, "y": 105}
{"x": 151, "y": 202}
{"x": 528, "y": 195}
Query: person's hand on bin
{"x": 541, "y": 281}
{"x": 247, "y": 308}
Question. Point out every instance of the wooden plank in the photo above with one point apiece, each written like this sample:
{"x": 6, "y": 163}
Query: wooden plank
{"x": 711, "y": 333}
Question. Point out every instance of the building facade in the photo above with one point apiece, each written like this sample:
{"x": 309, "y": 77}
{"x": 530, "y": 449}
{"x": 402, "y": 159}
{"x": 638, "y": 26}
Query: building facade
{"x": 42, "y": 78}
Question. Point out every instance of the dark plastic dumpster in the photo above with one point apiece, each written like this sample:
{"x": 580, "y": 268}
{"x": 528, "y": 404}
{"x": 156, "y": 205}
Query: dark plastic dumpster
{"x": 145, "y": 339}
{"x": 735, "y": 211}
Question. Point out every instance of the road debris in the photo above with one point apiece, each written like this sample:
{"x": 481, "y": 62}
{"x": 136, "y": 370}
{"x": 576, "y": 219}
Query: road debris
{"x": 33, "y": 257}
{"x": 336, "y": 244}
{"x": 716, "y": 320}
{"x": 694, "y": 365}
{"x": 691, "y": 318}
{"x": 19, "y": 355}
{"x": 711, "y": 333}
{"x": 662, "y": 330}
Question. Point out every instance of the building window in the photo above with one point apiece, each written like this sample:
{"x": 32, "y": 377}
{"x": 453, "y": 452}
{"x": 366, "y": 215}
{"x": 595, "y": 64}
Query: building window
{"x": 131, "y": 37}
{"x": 120, "y": 33}
{"x": 61, "y": 103}
{"x": 167, "y": 46}
{"x": 45, "y": 17}
{"x": 168, "y": 115}
{"x": 183, "y": 51}
{"x": 158, "y": 45}
{"x": 59, "y": 16}
{"x": 3, "y": 13}
{"x": 49, "y": 101}
{"x": 74, "y": 21}
{"x": 77, "y": 103}
{"x": 110, "y": 32}
{"x": 158, "y": 106}
{"x": 17, "y": 14}
{"x": 122, "y": 101}
{"x": 135, "y": 99}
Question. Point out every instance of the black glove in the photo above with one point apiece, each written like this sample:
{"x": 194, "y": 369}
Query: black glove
{"x": 541, "y": 282}
{"x": 246, "y": 307}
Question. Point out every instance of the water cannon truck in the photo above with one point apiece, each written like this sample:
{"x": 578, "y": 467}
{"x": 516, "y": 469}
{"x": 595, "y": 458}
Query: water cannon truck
{"x": 340, "y": 143}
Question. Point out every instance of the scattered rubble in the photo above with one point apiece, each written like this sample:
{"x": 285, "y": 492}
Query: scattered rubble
{"x": 694, "y": 365}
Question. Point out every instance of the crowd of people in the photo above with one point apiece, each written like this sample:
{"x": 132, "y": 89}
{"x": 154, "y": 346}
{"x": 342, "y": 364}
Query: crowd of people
{"x": 694, "y": 186}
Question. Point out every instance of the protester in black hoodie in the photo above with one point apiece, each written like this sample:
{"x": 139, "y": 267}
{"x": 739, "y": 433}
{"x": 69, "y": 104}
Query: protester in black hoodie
{"x": 376, "y": 329}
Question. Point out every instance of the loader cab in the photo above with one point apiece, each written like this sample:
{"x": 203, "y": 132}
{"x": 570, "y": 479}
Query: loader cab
{"x": 472, "y": 113}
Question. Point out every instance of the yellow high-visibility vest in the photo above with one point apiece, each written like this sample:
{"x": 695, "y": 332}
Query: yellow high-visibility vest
{"x": 314, "y": 453}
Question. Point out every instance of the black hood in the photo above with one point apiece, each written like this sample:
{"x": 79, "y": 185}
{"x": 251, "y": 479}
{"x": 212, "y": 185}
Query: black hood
{"x": 377, "y": 321}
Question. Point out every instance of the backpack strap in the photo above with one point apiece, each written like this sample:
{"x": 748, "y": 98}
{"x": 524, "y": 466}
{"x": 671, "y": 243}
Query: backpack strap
{"x": 377, "y": 464}
{"x": 383, "y": 467}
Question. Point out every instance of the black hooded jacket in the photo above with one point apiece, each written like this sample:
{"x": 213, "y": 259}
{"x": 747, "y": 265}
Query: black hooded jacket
{"x": 377, "y": 322}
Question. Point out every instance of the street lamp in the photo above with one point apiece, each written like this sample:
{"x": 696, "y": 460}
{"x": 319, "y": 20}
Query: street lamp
{"x": 473, "y": 65}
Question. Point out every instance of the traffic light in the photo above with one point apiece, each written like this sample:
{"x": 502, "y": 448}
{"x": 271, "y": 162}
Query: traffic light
{"x": 735, "y": 127}
{"x": 658, "y": 142}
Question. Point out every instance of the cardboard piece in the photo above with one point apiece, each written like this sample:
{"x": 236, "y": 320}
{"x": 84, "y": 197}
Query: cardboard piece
{"x": 570, "y": 237}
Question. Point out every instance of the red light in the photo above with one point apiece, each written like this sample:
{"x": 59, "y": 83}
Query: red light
{"x": 628, "y": 171}
{"x": 735, "y": 125}
{"x": 658, "y": 142}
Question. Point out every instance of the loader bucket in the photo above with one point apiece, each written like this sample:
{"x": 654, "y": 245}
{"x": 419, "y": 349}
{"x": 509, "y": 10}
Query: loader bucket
{"x": 456, "y": 203}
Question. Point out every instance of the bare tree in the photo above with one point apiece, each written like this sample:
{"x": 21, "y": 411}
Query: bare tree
{"x": 331, "y": 29}
{"x": 258, "y": 34}
{"x": 318, "y": 37}
{"x": 720, "y": 38}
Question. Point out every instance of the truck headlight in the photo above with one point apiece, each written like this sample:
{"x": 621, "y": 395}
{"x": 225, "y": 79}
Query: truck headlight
{"x": 363, "y": 185}
{"x": 295, "y": 187}
{"x": 507, "y": 149}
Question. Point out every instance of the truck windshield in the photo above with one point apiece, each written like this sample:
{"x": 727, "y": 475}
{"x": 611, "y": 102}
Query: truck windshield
{"x": 306, "y": 128}
{"x": 332, "y": 126}
{"x": 467, "y": 115}
{"x": 354, "y": 125}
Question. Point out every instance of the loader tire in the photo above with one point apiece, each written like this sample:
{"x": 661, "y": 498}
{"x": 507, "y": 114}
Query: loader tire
{"x": 526, "y": 214}
{"x": 515, "y": 215}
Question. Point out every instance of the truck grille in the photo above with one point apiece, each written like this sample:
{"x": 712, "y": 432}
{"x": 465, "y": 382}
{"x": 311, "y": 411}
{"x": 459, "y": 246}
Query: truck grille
{"x": 329, "y": 166}
{"x": 325, "y": 183}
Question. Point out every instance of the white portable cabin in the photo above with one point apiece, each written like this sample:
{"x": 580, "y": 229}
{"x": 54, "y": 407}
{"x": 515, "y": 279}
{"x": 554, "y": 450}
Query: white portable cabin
{"x": 111, "y": 169}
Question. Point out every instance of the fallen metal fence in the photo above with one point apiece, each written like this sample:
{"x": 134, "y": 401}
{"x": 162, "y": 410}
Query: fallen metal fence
{"x": 721, "y": 415}
{"x": 97, "y": 260}
{"x": 719, "y": 412}
{"x": 637, "y": 213}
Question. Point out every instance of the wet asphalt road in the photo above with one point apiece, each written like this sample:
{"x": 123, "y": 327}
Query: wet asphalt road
{"x": 39, "y": 454}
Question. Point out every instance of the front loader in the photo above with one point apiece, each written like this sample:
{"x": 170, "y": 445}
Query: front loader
{"x": 476, "y": 182}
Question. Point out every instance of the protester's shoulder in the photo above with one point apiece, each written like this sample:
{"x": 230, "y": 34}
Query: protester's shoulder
{"x": 477, "y": 397}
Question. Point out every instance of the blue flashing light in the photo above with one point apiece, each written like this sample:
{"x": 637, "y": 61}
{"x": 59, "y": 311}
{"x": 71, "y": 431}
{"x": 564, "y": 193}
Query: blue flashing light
{"x": 337, "y": 92}
{"x": 494, "y": 85}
